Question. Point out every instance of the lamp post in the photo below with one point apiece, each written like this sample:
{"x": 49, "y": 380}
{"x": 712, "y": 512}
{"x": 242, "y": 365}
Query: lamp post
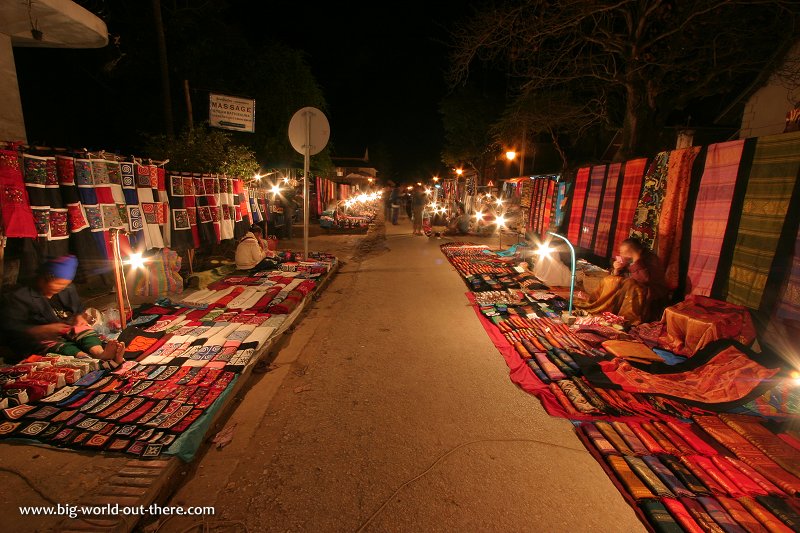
{"x": 544, "y": 250}
{"x": 135, "y": 260}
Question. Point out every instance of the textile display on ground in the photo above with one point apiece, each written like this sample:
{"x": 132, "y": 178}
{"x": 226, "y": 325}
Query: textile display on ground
{"x": 181, "y": 360}
{"x": 660, "y": 425}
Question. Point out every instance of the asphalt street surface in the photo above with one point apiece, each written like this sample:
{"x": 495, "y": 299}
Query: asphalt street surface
{"x": 388, "y": 409}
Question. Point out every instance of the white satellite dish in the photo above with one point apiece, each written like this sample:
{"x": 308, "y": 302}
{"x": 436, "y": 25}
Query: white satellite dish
{"x": 316, "y": 135}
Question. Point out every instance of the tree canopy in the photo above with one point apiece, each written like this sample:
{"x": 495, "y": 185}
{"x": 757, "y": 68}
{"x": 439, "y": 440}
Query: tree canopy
{"x": 627, "y": 63}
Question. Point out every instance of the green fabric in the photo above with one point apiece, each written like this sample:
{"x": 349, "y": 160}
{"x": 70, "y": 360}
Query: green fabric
{"x": 769, "y": 190}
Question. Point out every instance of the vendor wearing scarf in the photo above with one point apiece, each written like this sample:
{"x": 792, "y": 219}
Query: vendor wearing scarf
{"x": 48, "y": 317}
{"x": 636, "y": 289}
{"x": 253, "y": 253}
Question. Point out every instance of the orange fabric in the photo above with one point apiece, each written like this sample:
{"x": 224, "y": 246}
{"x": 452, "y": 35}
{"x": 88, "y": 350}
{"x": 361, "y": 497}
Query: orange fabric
{"x": 633, "y": 351}
{"x": 697, "y": 321}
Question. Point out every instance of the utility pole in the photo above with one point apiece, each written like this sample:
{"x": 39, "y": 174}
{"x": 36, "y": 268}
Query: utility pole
{"x": 166, "y": 98}
{"x": 188, "y": 96}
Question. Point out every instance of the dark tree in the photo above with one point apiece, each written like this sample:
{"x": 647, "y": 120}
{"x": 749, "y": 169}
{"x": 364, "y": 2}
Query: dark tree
{"x": 468, "y": 114}
{"x": 649, "y": 56}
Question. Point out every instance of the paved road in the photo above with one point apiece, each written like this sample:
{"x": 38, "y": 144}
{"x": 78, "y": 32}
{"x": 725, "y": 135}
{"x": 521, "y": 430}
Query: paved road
{"x": 391, "y": 410}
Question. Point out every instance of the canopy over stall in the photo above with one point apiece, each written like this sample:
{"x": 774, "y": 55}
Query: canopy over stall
{"x": 45, "y": 24}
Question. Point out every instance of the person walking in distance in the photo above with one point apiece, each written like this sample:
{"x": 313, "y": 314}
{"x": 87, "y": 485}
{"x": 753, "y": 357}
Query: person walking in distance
{"x": 289, "y": 206}
{"x": 394, "y": 198}
{"x": 417, "y": 206}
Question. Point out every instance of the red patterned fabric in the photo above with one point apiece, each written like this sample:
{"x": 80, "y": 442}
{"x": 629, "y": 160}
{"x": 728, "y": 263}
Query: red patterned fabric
{"x": 598, "y": 175}
{"x": 15, "y": 205}
{"x": 578, "y": 201}
{"x": 629, "y": 199}
{"x": 711, "y": 214}
{"x": 728, "y": 376}
{"x": 670, "y": 223}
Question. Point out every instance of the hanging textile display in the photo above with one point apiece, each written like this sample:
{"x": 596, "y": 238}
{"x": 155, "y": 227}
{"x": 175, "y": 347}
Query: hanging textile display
{"x": 670, "y": 222}
{"x": 773, "y": 178}
{"x": 789, "y": 305}
{"x": 133, "y": 209}
{"x": 182, "y": 238}
{"x": 578, "y": 201}
{"x": 548, "y": 207}
{"x": 628, "y": 199}
{"x": 15, "y": 206}
{"x": 645, "y": 220}
{"x": 525, "y": 190}
{"x": 152, "y": 210}
{"x": 82, "y": 243}
{"x": 560, "y": 204}
{"x": 597, "y": 177}
{"x": 711, "y": 213}
{"x": 606, "y": 214}
{"x": 241, "y": 221}
{"x": 49, "y": 211}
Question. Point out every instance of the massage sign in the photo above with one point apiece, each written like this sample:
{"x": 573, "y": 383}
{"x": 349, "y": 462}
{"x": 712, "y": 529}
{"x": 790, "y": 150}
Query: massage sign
{"x": 232, "y": 112}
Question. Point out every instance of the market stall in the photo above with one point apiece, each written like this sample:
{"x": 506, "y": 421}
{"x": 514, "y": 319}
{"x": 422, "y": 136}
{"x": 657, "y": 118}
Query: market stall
{"x": 183, "y": 359}
{"x": 694, "y": 417}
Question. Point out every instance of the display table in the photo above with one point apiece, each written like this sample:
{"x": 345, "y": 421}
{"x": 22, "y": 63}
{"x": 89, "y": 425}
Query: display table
{"x": 695, "y": 322}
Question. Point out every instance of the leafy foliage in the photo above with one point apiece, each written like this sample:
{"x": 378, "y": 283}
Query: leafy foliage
{"x": 203, "y": 150}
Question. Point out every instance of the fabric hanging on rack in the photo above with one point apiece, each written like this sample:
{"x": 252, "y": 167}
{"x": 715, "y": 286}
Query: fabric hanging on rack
{"x": 49, "y": 212}
{"x": 645, "y": 221}
{"x": 225, "y": 207}
{"x": 150, "y": 207}
{"x": 789, "y": 305}
{"x": 15, "y": 206}
{"x": 670, "y": 222}
{"x": 110, "y": 203}
{"x": 776, "y": 163}
{"x": 211, "y": 189}
{"x": 548, "y": 206}
{"x": 181, "y": 226}
{"x": 632, "y": 178}
{"x": 597, "y": 177}
{"x": 205, "y": 227}
{"x": 190, "y": 202}
{"x": 711, "y": 214}
{"x": 82, "y": 243}
{"x": 134, "y": 210}
{"x": 241, "y": 220}
{"x": 607, "y": 211}
{"x": 560, "y": 205}
{"x": 578, "y": 201}
{"x": 84, "y": 179}
{"x": 158, "y": 178}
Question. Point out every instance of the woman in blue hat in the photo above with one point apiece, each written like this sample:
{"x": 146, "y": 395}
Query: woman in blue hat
{"x": 48, "y": 317}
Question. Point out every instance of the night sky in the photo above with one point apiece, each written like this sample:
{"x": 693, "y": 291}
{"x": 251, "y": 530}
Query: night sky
{"x": 381, "y": 69}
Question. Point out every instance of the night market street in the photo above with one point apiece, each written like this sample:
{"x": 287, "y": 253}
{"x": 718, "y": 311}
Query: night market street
{"x": 356, "y": 408}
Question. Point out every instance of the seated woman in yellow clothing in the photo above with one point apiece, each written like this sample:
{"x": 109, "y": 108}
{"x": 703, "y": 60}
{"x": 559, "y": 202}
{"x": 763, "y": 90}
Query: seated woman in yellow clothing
{"x": 636, "y": 288}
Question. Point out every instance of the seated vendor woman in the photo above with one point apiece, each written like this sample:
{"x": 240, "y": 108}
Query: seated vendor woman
{"x": 459, "y": 224}
{"x": 252, "y": 252}
{"x": 636, "y": 288}
{"x": 47, "y": 316}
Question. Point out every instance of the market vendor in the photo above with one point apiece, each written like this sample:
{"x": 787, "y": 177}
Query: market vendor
{"x": 636, "y": 289}
{"x": 47, "y": 316}
{"x": 252, "y": 252}
{"x": 459, "y": 224}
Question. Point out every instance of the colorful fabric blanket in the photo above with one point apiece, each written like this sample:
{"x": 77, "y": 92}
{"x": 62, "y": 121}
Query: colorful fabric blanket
{"x": 723, "y": 374}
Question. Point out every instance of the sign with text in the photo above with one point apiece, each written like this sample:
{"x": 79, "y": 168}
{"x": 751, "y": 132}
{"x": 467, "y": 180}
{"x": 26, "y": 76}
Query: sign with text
{"x": 232, "y": 112}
